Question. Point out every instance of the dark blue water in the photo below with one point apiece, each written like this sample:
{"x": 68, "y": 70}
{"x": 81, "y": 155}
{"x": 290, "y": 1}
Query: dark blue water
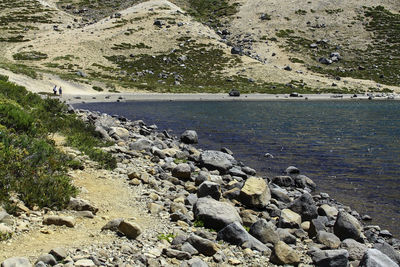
{"x": 350, "y": 149}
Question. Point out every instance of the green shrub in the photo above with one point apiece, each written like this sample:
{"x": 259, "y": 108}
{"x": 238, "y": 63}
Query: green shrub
{"x": 3, "y": 78}
{"x": 31, "y": 55}
{"x": 97, "y": 88}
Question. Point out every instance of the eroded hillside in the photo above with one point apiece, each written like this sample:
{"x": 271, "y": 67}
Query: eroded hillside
{"x": 202, "y": 46}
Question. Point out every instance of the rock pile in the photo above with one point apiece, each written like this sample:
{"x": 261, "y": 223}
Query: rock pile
{"x": 217, "y": 212}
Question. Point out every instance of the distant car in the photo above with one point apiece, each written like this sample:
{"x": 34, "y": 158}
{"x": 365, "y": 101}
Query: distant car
{"x": 294, "y": 94}
{"x": 234, "y": 92}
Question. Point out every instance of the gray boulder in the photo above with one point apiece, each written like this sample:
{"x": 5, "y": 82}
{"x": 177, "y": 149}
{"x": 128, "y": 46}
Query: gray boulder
{"x": 189, "y": 137}
{"x": 347, "y": 226}
{"x": 217, "y": 160}
{"x": 283, "y": 181}
{"x": 112, "y": 225}
{"x": 356, "y": 250}
{"x": 305, "y": 206}
{"x": 196, "y": 262}
{"x": 284, "y": 254}
{"x": 81, "y": 204}
{"x": 130, "y": 229}
{"x": 203, "y": 245}
{"x": 235, "y": 234}
{"x": 215, "y": 214}
{"x": 178, "y": 254}
{"x": 59, "y": 221}
{"x": 389, "y": 251}
{"x": 330, "y": 258}
{"x": 209, "y": 189}
{"x": 292, "y": 170}
{"x": 59, "y": 253}
{"x": 255, "y": 193}
{"x": 141, "y": 144}
{"x": 47, "y": 259}
{"x": 289, "y": 219}
{"x": 328, "y": 239}
{"x": 182, "y": 171}
{"x": 16, "y": 262}
{"x": 375, "y": 258}
{"x": 264, "y": 231}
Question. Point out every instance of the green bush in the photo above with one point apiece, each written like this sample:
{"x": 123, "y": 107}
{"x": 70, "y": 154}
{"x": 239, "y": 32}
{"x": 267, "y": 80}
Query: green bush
{"x": 3, "y": 78}
{"x": 32, "y": 168}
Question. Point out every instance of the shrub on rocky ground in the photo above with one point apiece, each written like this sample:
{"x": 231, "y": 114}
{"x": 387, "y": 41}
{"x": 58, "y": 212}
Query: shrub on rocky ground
{"x": 33, "y": 169}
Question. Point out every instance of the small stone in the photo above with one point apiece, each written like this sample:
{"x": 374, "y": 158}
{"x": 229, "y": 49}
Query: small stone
{"x": 84, "y": 263}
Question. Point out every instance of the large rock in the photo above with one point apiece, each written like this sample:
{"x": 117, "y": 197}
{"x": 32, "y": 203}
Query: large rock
{"x": 264, "y": 231}
{"x": 209, "y": 189}
{"x": 181, "y": 171}
{"x": 316, "y": 225}
{"x": 284, "y": 254}
{"x": 189, "y": 137}
{"x": 283, "y": 181}
{"x": 141, "y": 144}
{"x": 5, "y": 218}
{"x": 375, "y": 258}
{"x": 59, "y": 253}
{"x": 280, "y": 195}
{"x": 255, "y": 193}
{"x": 130, "y": 229}
{"x": 329, "y": 211}
{"x": 48, "y": 259}
{"x": 16, "y": 262}
{"x": 389, "y": 251}
{"x": 202, "y": 245}
{"x": 331, "y": 258}
{"x": 119, "y": 133}
{"x": 305, "y": 206}
{"x": 215, "y": 214}
{"x": 112, "y": 225}
{"x": 217, "y": 160}
{"x": 347, "y": 226}
{"x": 356, "y": 250}
{"x": 235, "y": 234}
{"x": 174, "y": 253}
{"x": 81, "y": 204}
{"x": 289, "y": 219}
{"x": 59, "y": 221}
{"x": 328, "y": 239}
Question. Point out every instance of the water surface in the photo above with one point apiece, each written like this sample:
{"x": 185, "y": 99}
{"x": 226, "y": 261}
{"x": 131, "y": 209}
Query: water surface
{"x": 349, "y": 148}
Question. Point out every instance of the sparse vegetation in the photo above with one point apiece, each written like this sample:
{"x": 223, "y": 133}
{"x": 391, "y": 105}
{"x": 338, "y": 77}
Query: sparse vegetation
{"x": 29, "y": 55}
{"x": 168, "y": 237}
{"x": 211, "y": 12}
{"x": 32, "y": 168}
{"x": 300, "y": 12}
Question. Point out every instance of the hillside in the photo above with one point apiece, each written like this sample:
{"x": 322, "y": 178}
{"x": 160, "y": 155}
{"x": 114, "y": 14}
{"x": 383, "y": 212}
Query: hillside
{"x": 186, "y": 45}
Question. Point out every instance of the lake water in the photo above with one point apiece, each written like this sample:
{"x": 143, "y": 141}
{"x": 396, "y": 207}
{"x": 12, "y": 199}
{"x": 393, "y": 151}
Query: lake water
{"x": 350, "y": 149}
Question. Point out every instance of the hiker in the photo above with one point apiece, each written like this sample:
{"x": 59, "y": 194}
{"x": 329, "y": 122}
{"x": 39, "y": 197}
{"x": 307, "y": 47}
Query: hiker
{"x": 60, "y": 91}
{"x": 55, "y": 90}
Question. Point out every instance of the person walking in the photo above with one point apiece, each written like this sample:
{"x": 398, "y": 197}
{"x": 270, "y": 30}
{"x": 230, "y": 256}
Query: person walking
{"x": 60, "y": 91}
{"x": 55, "y": 90}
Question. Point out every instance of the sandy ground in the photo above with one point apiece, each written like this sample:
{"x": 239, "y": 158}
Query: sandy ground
{"x": 110, "y": 194}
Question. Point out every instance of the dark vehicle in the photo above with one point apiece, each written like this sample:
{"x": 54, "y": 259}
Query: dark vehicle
{"x": 234, "y": 92}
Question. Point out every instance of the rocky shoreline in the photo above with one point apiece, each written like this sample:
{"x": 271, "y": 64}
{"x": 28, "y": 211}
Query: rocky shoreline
{"x": 208, "y": 209}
